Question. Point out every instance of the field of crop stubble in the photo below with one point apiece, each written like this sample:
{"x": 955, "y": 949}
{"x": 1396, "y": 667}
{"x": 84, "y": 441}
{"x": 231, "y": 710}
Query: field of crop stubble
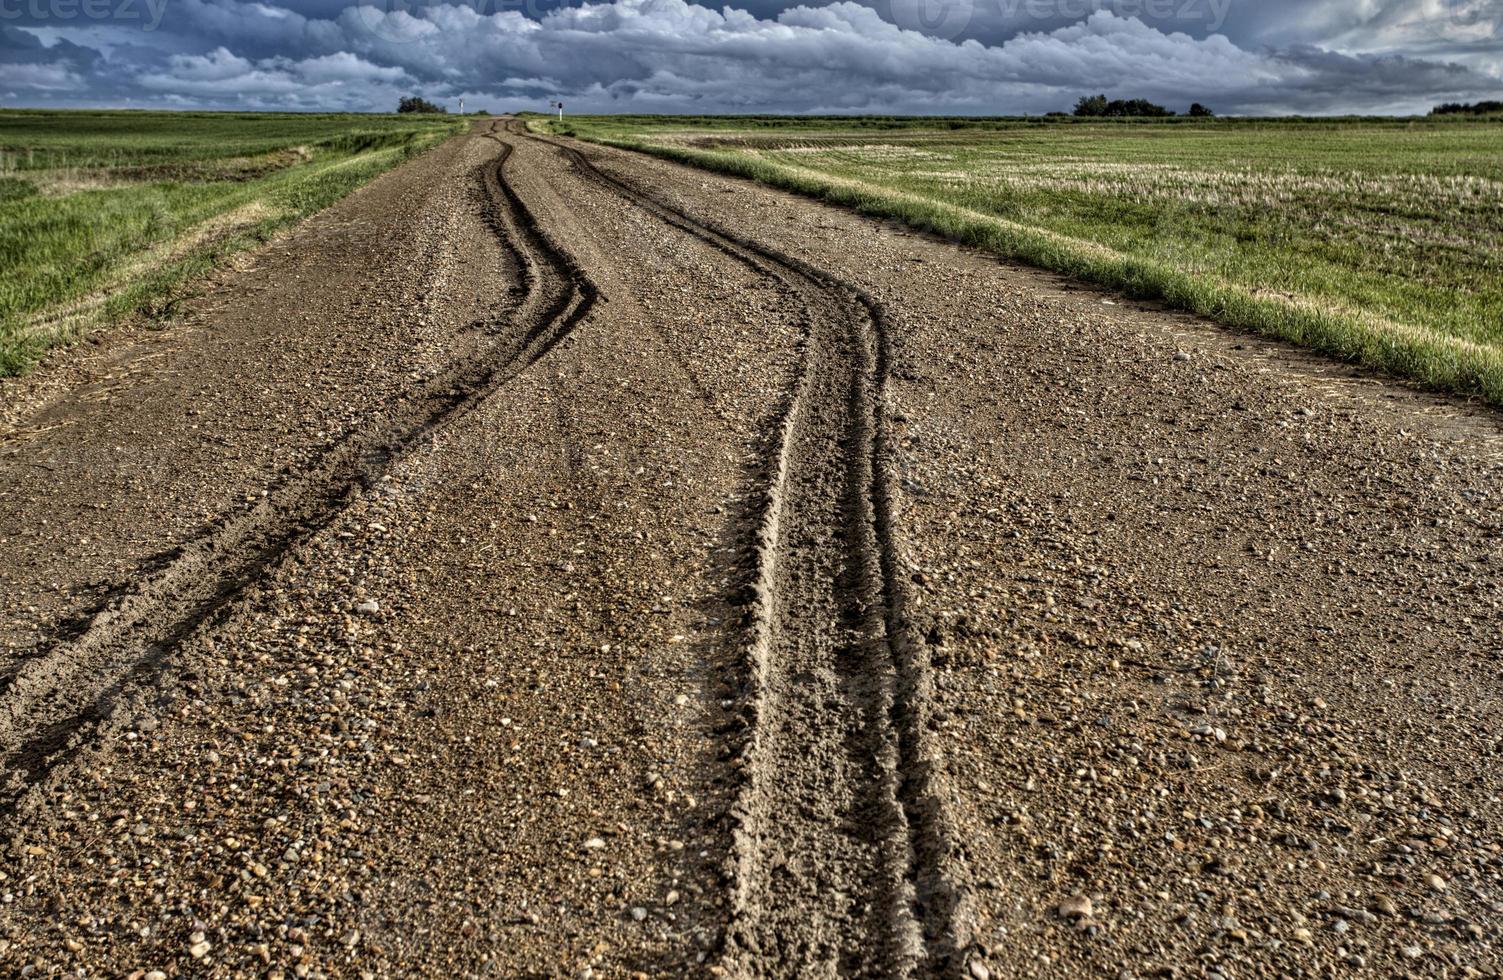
{"x": 1378, "y": 241}
{"x": 105, "y": 212}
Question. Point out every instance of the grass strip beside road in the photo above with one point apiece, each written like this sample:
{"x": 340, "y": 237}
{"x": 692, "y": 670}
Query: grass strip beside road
{"x": 1370, "y": 267}
{"x": 104, "y": 214}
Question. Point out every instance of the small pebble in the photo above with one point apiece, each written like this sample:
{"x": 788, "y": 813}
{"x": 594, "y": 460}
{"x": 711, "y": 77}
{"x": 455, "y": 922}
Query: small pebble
{"x": 1076, "y": 907}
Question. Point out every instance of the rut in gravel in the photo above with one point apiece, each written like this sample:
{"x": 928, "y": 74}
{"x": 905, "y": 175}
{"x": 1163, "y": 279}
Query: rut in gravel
{"x": 842, "y": 846}
{"x": 50, "y": 704}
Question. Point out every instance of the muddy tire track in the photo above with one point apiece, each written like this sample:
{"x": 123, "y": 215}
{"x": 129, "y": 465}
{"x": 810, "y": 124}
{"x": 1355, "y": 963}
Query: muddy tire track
{"x": 844, "y": 855}
{"x": 52, "y": 705}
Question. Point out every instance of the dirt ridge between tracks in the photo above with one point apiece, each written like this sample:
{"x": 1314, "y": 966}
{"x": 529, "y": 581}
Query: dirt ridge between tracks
{"x": 50, "y": 703}
{"x": 883, "y": 664}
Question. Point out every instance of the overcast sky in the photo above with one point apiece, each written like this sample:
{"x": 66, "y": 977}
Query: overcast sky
{"x": 886, "y": 56}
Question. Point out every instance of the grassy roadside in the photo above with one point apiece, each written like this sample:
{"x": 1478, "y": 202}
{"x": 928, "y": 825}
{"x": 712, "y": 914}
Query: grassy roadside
{"x": 102, "y": 214}
{"x": 1379, "y": 242}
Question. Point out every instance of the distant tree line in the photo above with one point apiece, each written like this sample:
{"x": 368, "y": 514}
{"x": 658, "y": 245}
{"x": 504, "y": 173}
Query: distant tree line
{"x": 1467, "y": 109}
{"x": 414, "y": 104}
{"x": 1099, "y": 105}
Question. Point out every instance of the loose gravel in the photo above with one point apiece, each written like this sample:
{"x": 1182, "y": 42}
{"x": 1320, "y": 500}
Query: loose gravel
{"x": 1203, "y": 631}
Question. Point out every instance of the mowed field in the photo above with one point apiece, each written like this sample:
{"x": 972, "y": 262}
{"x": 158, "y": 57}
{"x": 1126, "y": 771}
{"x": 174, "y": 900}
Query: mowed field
{"x": 102, "y": 213}
{"x": 1376, "y": 241}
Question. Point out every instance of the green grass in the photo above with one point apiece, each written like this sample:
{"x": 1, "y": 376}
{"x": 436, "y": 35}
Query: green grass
{"x": 103, "y": 213}
{"x": 1376, "y": 241}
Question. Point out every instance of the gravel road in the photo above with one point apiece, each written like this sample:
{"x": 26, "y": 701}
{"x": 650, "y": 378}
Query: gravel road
{"x": 551, "y": 561}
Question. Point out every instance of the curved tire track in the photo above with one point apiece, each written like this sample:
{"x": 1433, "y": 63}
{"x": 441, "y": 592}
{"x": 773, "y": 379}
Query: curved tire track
{"x": 844, "y": 853}
{"x": 53, "y": 703}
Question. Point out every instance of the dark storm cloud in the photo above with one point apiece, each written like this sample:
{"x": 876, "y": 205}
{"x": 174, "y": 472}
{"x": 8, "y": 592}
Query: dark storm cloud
{"x": 986, "y": 56}
{"x": 62, "y": 69}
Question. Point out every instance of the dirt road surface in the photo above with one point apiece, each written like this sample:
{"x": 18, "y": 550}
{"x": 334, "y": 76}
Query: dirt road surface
{"x": 555, "y": 562}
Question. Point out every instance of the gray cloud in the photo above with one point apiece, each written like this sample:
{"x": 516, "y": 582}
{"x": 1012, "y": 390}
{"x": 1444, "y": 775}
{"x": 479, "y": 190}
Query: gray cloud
{"x": 311, "y": 83}
{"x": 673, "y": 55}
